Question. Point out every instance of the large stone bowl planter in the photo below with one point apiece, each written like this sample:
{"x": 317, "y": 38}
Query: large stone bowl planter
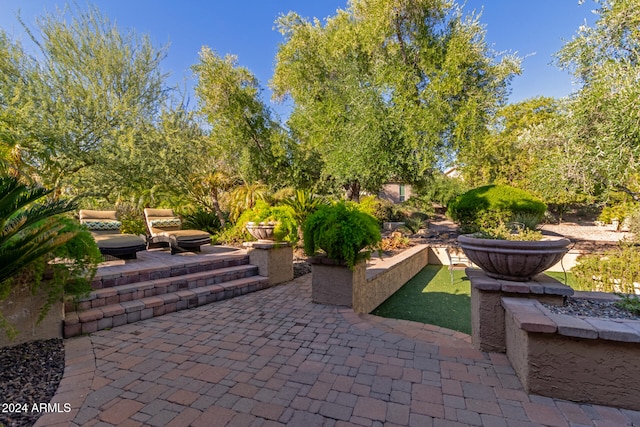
{"x": 513, "y": 259}
{"x": 261, "y": 232}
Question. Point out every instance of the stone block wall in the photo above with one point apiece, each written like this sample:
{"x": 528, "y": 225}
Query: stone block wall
{"x": 274, "y": 260}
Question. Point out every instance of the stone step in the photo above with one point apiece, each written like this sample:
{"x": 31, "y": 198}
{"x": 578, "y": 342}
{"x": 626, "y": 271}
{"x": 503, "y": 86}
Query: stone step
{"x": 135, "y": 291}
{"x": 108, "y": 277}
{"x": 112, "y": 315}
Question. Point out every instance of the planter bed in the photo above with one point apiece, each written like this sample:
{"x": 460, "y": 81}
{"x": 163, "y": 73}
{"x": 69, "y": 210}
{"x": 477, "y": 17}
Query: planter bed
{"x": 583, "y": 359}
{"x": 369, "y": 284}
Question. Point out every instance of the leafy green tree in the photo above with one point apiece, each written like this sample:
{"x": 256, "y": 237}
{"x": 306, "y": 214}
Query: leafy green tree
{"x": 605, "y": 59}
{"x": 506, "y": 154}
{"x": 245, "y": 136}
{"x": 89, "y": 97}
{"x": 387, "y": 89}
{"x": 15, "y": 109}
{"x": 559, "y": 168}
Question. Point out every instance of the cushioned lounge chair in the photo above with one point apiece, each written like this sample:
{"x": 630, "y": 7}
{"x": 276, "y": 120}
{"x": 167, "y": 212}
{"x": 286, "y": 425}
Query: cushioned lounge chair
{"x": 105, "y": 228}
{"x": 165, "y": 228}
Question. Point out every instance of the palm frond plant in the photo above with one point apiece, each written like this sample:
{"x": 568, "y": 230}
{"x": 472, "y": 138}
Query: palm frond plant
{"x": 32, "y": 233}
{"x": 303, "y": 203}
{"x": 245, "y": 197}
{"x": 27, "y": 230}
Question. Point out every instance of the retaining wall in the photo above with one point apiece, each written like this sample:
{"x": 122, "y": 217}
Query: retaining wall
{"x": 591, "y": 360}
{"x": 387, "y": 276}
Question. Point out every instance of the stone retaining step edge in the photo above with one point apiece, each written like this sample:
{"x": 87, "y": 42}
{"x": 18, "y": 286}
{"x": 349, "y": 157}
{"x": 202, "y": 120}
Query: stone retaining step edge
{"x": 108, "y": 280}
{"x": 531, "y": 316}
{"x": 113, "y": 315}
{"x": 133, "y": 291}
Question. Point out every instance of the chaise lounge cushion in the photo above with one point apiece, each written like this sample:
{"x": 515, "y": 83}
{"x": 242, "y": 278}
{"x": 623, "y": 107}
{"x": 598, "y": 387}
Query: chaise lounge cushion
{"x": 164, "y": 227}
{"x": 119, "y": 241}
{"x": 105, "y": 229}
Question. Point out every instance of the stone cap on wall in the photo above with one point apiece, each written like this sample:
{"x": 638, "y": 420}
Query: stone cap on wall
{"x": 539, "y": 285}
{"x": 531, "y": 316}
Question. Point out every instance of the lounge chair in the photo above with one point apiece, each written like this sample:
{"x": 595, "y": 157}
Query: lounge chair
{"x": 105, "y": 228}
{"x": 165, "y": 228}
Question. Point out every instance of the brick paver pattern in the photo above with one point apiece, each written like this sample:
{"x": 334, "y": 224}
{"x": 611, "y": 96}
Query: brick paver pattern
{"x": 274, "y": 358}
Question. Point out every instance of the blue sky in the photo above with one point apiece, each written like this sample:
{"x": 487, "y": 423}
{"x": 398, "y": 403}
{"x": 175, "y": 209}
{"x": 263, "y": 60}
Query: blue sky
{"x": 531, "y": 29}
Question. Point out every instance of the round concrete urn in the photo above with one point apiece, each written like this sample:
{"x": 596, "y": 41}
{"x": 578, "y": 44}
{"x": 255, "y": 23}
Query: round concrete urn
{"x": 262, "y": 231}
{"x": 514, "y": 260}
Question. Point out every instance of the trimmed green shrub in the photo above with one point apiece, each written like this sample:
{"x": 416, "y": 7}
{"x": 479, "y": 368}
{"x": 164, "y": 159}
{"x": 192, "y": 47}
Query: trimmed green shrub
{"x": 489, "y": 206}
{"x": 341, "y": 231}
{"x": 618, "y": 211}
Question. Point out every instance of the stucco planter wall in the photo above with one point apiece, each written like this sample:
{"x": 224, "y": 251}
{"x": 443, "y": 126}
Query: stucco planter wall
{"x": 388, "y": 275}
{"x": 588, "y": 360}
{"x": 22, "y": 310}
{"x": 332, "y": 282}
{"x": 487, "y": 313}
{"x": 274, "y": 260}
{"x": 369, "y": 284}
{"x": 514, "y": 260}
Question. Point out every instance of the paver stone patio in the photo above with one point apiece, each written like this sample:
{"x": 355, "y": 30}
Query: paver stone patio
{"x": 274, "y": 358}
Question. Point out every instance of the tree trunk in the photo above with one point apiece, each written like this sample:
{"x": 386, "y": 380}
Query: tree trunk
{"x": 353, "y": 191}
{"x": 216, "y": 208}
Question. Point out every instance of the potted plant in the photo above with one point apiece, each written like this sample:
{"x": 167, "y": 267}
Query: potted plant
{"x": 511, "y": 252}
{"x": 270, "y": 223}
{"x": 342, "y": 233}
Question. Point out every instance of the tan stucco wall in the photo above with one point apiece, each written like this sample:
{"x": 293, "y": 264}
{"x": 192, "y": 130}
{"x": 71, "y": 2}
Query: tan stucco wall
{"x": 274, "y": 262}
{"x": 487, "y": 321}
{"x": 391, "y": 192}
{"x": 22, "y": 310}
{"x": 596, "y": 371}
{"x": 333, "y": 284}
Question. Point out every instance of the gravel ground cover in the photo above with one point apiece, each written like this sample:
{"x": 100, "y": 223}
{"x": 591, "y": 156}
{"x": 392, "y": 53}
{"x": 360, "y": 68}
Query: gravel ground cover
{"x": 592, "y": 308}
{"x": 29, "y": 375}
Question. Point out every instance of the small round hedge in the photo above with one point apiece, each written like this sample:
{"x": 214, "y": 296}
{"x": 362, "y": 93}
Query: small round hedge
{"x": 487, "y": 207}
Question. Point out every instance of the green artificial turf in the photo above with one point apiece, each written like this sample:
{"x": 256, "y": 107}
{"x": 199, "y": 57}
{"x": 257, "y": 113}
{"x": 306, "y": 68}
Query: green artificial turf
{"x": 430, "y": 297}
